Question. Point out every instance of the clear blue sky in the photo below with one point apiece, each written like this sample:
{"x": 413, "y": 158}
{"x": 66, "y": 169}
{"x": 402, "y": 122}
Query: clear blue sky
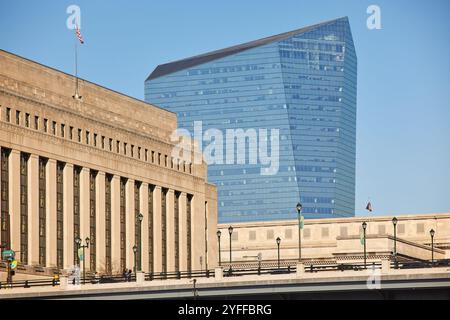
{"x": 403, "y": 131}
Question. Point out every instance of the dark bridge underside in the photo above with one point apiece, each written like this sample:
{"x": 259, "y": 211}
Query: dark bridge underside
{"x": 431, "y": 288}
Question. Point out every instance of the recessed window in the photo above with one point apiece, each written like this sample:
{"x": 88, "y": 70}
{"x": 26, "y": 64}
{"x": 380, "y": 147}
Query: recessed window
{"x": 45, "y": 125}
{"x": 18, "y": 117}
{"x": 118, "y": 146}
{"x": 146, "y": 155}
{"x": 139, "y": 153}
{"x": 95, "y": 139}
{"x": 54, "y": 127}
{"x": 79, "y": 135}
{"x": 63, "y": 129}
{"x": 36, "y": 122}
{"x": 103, "y": 142}
{"x": 288, "y": 233}
{"x": 132, "y": 151}
{"x": 88, "y": 136}
{"x": 125, "y": 148}
{"x": 420, "y": 228}
{"x": 8, "y": 114}
{"x": 27, "y": 120}
{"x": 70, "y": 132}
{"x": 153, "y": 156}
{"x": 110, "y": 144}
{"x": 307, "y": 233}
{"x": 270, "y": 234}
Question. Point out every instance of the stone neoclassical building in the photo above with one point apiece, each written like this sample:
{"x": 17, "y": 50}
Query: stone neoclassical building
{"x": 337, "y": 240}
{"x": 87, "y": 168}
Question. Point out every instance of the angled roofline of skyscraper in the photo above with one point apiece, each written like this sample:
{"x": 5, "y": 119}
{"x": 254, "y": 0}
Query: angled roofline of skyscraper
{"x": 171, "y": 67}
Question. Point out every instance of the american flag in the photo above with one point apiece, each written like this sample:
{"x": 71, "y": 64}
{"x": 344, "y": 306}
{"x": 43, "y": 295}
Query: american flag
{"x": 79, "y": 36}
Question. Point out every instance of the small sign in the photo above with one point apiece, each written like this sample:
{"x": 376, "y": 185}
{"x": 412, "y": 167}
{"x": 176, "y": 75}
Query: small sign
{"x": 13, "y": 264}
{"x": 8, "y": 255}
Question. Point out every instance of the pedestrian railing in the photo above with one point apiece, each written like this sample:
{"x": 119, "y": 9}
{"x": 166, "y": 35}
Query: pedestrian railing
{"x": 341, "y": 267}
{"x": 29, "y": 283}
{"x": 420, "y": 264}
{"x": 227, "y": 272}
{"x": 179, "y": 275}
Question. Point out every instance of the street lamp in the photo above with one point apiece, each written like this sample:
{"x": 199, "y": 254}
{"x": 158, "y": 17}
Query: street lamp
{"x": 259, "y": 256}
{"x": 140, "y": 217}
{"x": 432, "y": 232}
{"x": 219, "y": 234}
{"x": 364, "y": 226}
{"x": 299, "y": 213}
{"x": 135, "y": 249}
{"x": 78, "y": 241}
{"x": 230, "y": 231}
{"x": 278, "y": 244}
{"x": 394, "y": 223}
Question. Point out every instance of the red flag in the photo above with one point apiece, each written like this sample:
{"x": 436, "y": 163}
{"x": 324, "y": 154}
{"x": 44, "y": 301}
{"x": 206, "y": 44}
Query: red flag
{"x": 78, "y": 34}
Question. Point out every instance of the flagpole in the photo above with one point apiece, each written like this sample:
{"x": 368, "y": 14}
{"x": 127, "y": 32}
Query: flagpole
{"x": 76, "y": 69}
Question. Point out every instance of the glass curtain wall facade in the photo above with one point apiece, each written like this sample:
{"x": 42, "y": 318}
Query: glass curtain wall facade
{"x": 301, "y": 82}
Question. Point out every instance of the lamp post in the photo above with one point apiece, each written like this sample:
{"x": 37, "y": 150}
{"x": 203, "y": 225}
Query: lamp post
{"x": 364, "y": 226}
{"x": 432, "y": 232}
{"x": 135, "y": 249}
{"x": 140, "y": 217}
{"x": 278, "y": 244}
{"x": 85, "y": 246}
{"x": 219, "y": 234}
{"x": 299, "y": 214}
{"x": 259, "y": 256}
{"x": 394, "y": 223}
{"x": 230, "y": 231}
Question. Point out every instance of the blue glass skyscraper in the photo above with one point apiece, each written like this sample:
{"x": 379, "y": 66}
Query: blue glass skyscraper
{"x": 302, "y": 82}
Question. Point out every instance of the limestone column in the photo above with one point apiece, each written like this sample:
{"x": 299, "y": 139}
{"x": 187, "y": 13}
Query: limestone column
{"x": 170, "y": 223}
{"x": 213, "y": 255}
{"x": 33, "y": 210}
{"x": 84, "y": 213}
{"x": 14, "y": 200}
{"x": 115, "y": 225}
{"x": 157, "y": 234}
{"x": 143, "y": 196}
{"x": 50, "y": 219}
{"x": 183, "y": 232}
{"x": 100, "y": 222}
{"x": 69, "y": 238}
{"x": 198, "y": 230}
{"x": 130, "y": 223}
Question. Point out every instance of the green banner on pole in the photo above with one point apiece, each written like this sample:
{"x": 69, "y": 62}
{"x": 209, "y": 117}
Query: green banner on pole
{"x": 80, "y": 254}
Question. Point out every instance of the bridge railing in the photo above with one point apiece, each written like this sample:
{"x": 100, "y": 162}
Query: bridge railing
{"x": 420, "y": 264}
{"x": 30, "y": 283}
{"x": 179, "y": 275}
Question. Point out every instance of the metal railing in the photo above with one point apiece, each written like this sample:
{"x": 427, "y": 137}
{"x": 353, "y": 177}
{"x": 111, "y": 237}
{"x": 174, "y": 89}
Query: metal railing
{"x": 420, "y": 264}
{"x": 228, "y": 272}
{"x": 231, "y": 272}
{"x": 30, "y": 283}
{"x": 179, "y": 275}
